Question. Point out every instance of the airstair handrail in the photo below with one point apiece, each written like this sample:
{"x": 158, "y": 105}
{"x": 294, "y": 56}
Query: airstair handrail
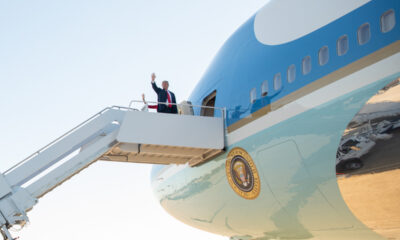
{"x": 177, "y": 104}
{"x": 66, "y": 134}
{"x": 222, "y": 109}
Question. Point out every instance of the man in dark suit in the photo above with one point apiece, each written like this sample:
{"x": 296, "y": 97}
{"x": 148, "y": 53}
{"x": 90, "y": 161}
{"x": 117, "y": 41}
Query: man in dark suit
{"x": 166, "y": 98}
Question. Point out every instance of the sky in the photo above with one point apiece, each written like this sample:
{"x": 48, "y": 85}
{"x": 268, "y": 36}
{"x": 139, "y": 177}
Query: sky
{"x": 63, "y": 61}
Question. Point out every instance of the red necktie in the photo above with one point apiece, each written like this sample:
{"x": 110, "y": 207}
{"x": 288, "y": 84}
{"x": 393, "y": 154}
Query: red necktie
{"x": 169, "y": 99}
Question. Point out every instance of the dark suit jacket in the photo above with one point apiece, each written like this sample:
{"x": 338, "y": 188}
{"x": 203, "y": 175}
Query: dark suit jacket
{"x": 162, "y": 97}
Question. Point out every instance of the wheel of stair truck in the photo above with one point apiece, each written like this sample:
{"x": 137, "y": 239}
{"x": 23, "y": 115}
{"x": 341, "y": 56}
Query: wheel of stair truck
{"x": 367, "y": 162}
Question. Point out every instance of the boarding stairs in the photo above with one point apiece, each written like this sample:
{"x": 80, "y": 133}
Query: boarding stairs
{"x": 116, "y": 134}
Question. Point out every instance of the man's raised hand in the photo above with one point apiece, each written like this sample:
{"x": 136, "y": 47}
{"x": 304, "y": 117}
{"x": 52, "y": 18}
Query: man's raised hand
{"x": 153, "y": 77}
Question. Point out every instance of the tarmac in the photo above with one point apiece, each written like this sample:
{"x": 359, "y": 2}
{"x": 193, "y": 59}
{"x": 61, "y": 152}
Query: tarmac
{"x": 373, "y": 192}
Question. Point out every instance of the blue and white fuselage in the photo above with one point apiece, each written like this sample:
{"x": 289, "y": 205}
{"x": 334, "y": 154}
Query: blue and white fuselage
{"x": 291, "y": 79}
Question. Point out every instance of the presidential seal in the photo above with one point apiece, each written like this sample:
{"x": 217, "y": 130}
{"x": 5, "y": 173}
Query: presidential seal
{"x": 242, "y": 173}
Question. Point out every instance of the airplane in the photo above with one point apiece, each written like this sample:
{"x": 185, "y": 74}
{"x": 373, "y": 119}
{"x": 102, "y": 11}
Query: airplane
{"x": 282, "y": 91}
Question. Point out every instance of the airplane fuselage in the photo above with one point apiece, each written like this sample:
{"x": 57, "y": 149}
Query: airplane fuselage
{"x": 290, "y": 83}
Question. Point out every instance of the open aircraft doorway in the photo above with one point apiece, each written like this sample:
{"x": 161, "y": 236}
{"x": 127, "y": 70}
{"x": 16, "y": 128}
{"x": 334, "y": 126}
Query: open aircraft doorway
{"x": 209, "y": 103}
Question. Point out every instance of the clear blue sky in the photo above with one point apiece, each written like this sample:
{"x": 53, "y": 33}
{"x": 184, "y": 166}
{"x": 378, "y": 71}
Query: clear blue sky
{"x": 63, "y": 61}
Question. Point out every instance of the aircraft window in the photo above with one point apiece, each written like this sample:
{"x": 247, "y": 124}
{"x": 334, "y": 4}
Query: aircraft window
{"x": 388, "y": 21}
{"x": 323, "y": 55}
{"x": 364, "y": 34}
{"x": 253, "y": 95}
{"x": 342, "y": 45}
{"x": 306, "y": 63}
{"x": 264, "y": 88}
{"x": 291, "y": 73}
{"x": 277, "y": 81}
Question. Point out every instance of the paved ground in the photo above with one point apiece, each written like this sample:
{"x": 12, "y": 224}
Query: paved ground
{"x": 374, "y": 199}
{"x": 373, "y": 192}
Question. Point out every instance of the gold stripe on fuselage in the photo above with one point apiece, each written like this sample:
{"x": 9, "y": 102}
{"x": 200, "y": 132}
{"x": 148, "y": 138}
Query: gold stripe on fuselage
{"x": 320, "y": 83}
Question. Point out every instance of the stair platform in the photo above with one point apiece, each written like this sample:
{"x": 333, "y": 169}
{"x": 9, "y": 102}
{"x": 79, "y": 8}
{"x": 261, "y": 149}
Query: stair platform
{"x": 160, "y": 138}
